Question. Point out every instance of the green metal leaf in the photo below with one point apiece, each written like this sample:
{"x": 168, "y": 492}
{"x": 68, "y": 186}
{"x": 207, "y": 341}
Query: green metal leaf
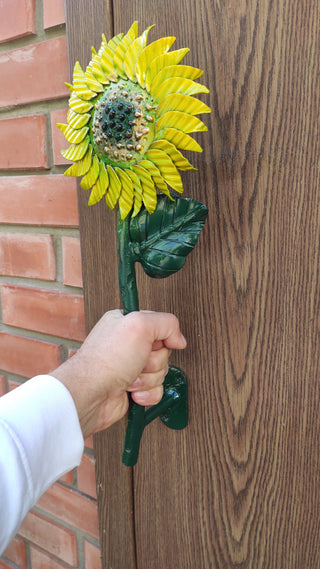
{"x": 162, "y": 241}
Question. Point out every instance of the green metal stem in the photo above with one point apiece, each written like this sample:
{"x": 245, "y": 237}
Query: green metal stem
{"x": 130, "y": 302}
{"x": 156, "y": 410}
{"x": 127, "y": 274}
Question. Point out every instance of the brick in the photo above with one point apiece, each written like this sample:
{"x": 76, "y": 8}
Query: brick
{"x": 48, "y": 535}
{"x": 69, "y": 506}
{"x": 17, "y": 19}
{"x": 16, "y": 552}
{"x": 71, "y": 352}
{"x": 27, "y": 255}
{"x": 86, "y": 476}
{"x": 13, "y": 384}
{"x": 3, "y": 385}
{"x": 68, "y": 478}
{"x": 4, "y": 565}
{"x": 89, "y": 442}
{"x": 51, "y": 312}
{"x": 23, "y": 142}
{"x": 53, "y": 13}
{"x": 39, "y": 200}
{"x": 58, "y": 140}
{"x": 71, "y": 253}
{"x": 41, "y": 560}
{"x": 35, "y": 72}
{"x": 92, "y": 556}
{"x": 27, "y": 357}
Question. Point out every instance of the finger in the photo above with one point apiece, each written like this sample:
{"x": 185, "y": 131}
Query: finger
{"x": 151, "y": 397}
{"x": 165, "y": 327}
{"x": 157, "y": 345}
{"x": 157, "y": 360}
{"x": 147, "y": 381}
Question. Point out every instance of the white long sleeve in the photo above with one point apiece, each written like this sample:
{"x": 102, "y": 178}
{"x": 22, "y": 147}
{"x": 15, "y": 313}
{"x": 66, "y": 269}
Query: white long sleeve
{"x": 40, "y": 440}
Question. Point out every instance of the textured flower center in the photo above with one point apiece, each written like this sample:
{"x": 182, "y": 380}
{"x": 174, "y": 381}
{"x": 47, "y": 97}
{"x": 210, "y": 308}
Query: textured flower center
{"x": 123, "y": 124}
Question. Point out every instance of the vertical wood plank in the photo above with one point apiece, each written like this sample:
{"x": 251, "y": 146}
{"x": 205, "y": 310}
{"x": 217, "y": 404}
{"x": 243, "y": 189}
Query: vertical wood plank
{"x": 86, "y": 21}
{"x": 240, "y": 488}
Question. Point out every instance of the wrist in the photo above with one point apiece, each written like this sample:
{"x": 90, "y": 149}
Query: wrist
{"x": 97, "y": 406}
{"x": 69, "y": 374}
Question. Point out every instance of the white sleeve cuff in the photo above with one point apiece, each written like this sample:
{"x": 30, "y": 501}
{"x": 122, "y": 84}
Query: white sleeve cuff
{"x": 42, "y": 437}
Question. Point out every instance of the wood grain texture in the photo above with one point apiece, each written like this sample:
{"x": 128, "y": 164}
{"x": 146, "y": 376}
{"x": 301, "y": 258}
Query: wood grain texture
{"x": 86, "y": 21}
{"x": 240, "y": 487}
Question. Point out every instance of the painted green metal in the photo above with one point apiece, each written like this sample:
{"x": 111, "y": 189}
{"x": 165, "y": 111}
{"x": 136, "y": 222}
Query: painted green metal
{"x": 126, "y": 274}
{"x": 130, "y": 303}
{"x": 173, "y": 407}
{"x": 160, "y": 242}
{"x": 172, "y": 410}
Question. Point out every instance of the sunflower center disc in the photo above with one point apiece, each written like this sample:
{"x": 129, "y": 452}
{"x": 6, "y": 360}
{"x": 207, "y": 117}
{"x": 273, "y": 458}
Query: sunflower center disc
{"x": 123, "y": 124}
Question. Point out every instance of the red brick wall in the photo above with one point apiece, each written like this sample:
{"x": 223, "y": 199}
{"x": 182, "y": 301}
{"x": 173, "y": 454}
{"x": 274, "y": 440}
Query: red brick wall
{"x": 41, "y": 300}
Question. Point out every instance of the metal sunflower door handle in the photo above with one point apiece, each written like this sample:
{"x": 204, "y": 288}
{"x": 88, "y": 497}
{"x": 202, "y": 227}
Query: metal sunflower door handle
{"x": 161, "y": 243}
{"x": 130, "y": 113}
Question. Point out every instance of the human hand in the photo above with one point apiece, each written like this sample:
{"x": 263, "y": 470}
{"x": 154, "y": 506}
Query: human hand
{"x": 121, "y": 354}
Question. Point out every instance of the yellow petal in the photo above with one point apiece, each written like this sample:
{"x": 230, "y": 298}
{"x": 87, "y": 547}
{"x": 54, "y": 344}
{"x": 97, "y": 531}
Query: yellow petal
{"x": 119, "y": 57}
{"x": 92, "y": 82}
{"x": 156, "y": 176}
{"x": 132, "y": 33}
{"x": 101, "y": 185}
{"x": 137, "y": 192}
{"x": 72, "y": 135}
{"x": 164, "y": 60}
{"x": 91, "y": 177}
{"x": 133, "y": 52}
{"x": 114, "y": 189}
{"x": 106, "y": 61}
{"x": 149, "y": 194}
{"x": 123, "y": 46}
{"x": 181, "y": 121}
{"x": 184, "y": 71}
{"x": 79, "y": 83}
{"x": 76, "y": 151}
{"x": 177, "y": 158}
{"x": 106, "y": 53}
{"x": 78, "y": 105}
{"x": 179, "y": 139}
{"x": 114, "y": 42}
{"x": 77, "y": 121}
{"x": 178, "y": 85}
{"x": 167, "y": 169}
{"x": 70, "y": 87}
{"x": 98, "y": 71}
{"x": 179, "y": 102}
{"x": 149, "y": 53}
{"x": 82, "y": 166}
{"x": 126, "y": 196}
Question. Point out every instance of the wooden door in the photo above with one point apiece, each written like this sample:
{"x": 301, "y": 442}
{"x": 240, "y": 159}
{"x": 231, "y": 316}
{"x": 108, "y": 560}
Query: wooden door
{"x": 240, "y": 487}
